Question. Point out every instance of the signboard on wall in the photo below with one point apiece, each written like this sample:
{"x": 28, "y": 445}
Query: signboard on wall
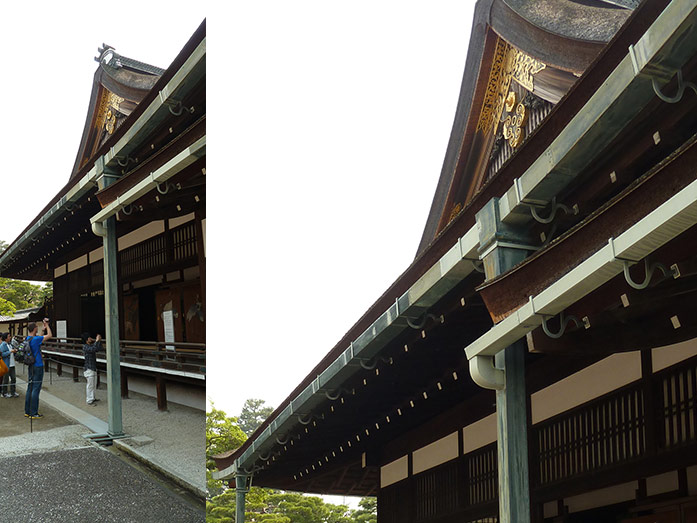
{"x": 168, "y": 320}
{"x": 62, "y": 330}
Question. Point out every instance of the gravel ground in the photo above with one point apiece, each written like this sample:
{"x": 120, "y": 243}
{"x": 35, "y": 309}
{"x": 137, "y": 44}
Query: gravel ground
{"x": 178, "y": 443}
{"x": 84, "y": 486}
{"x": 61, "y": 438}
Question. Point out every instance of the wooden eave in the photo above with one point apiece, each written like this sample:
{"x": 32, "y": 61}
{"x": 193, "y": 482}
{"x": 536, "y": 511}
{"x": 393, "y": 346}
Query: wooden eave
{"x": 649, "y": 174}
{"x": 188, "y": 131}
{"x": 279, "y": 473}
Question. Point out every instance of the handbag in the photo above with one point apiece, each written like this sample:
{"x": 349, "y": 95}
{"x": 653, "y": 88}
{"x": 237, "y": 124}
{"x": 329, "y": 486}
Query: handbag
{"x": 3, "y": 368}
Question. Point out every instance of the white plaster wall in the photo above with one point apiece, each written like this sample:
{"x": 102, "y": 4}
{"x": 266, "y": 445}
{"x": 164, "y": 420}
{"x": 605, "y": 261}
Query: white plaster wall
{"x": 141, "y": 234}
{"x": 176, "y": 222}
{"x": 667, "y": 482}
{"x": 602, "y": 377}
{"x": 394, "y": 471}
{"x": 663, "y": 357}
{"x": 97, "y": 254}
{"x": 435, "y": 453}
{"x": 77, "y": 263}
{"x": 479, "y": 433}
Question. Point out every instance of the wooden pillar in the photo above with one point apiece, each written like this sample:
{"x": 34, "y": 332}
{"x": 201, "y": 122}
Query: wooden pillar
{"x": 501, "y": 247}
{"x": 124, "y": 384}
{"x": 161, "y": 387}
{"x": 242, "y": 482}
{"x": 76, "y": 374}
{"x": 59, "y": 368}
{"x": 111, "y": 310}
{"x": 200, "y": 247}
{"x": 650, "y": 414}
{"x": 512, "y": 432}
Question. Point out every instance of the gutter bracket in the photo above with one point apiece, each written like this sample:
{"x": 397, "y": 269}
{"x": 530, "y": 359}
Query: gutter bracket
{"x": 648, "y": 273}
{"x": 563, "y": 323}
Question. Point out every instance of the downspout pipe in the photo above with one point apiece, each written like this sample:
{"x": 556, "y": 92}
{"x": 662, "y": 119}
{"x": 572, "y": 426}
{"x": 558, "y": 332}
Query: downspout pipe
{"x": 99, "y": 229}
{"x": 486, "y": 374}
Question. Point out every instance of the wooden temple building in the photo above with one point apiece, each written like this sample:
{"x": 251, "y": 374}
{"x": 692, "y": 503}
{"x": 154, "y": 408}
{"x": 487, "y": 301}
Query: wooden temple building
{"x": 124, "y": 240}
{"x": 538, "y": 359}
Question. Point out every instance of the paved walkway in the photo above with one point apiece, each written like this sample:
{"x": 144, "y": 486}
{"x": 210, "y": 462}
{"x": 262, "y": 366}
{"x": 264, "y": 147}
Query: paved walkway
{"x": 86, "y": 485}
{"x": 171, "y": 442}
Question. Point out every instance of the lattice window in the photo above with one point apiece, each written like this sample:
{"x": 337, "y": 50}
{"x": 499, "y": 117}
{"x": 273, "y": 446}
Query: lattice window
{"x": 676, "y": 392}
{"x": 144, "y": 257}
{"x": 437, "y": 491}
{"x": 482, "y": 475}
{"x": 602, "y": 433}
{"x": 184, "y": 241}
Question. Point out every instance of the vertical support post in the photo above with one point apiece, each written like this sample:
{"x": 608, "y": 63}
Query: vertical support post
{"x": 111, "y": 309}
{"x": 107, "y": 230}
{"x": 201, "y": 250}
{"x": 502, "y": 247}
{"x": 161, "y": 388}
{"x": 650, "y": 418}
{"x": 124, "y": 385}
{"x": 512, "y": 427}
{"x": 241, "y": 489}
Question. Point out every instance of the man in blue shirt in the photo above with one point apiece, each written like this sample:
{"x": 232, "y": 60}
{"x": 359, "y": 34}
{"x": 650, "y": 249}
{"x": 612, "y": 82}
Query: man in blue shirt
{"x": 36, "y": 371}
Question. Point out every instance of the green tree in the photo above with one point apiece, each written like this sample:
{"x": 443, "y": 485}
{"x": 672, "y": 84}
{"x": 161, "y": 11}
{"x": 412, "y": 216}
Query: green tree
{"x": 222, "y": 434}
{"x": 46, "y": 292}
{"x": 23, "y": 294}
{"x": 307, "y": 509}
{"x": 7, "y": 308}
{"x": 262, "y": 505}
{"x": 253, "y": 414}
{"x": 368, "y": 511}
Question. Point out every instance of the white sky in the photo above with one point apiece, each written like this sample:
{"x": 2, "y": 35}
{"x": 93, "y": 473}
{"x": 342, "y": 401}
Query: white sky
{"x": 47, "y": 72}
{"x": 331, "y": 124}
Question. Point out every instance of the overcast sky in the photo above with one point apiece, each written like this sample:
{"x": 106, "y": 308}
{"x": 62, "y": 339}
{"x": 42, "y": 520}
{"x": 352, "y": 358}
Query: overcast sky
{"x": 329, "y": 124}
{"x": 330, "y": 127}
{"x": 47, "y": 72}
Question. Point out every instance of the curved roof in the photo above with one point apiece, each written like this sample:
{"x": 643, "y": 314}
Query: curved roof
{"x": 554, "y": 32}
{"x": 119, "y": 85}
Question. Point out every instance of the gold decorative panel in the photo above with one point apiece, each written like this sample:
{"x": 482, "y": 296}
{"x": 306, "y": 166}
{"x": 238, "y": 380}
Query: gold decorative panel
{"x": 106, "y": 117}
{"x": 497, "y": 86}
{"x": 514, "y": 124}
{"x": 524, "y": 67}
{"x": 508, "y": 64}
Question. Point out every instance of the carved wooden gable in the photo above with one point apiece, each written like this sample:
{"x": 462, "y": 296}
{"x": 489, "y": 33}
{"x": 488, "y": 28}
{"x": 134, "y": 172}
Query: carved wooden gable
{"x": 512, "y": 107}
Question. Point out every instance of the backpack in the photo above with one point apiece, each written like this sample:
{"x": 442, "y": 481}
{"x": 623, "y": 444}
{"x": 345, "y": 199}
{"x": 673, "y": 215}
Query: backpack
{"x": 26, "y": 352}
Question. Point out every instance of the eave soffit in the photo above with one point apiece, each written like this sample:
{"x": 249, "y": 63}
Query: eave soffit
{"x": 545, "y": 45}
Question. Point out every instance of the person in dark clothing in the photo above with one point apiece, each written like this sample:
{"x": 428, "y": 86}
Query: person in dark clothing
{"x": 89, "y": 349}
